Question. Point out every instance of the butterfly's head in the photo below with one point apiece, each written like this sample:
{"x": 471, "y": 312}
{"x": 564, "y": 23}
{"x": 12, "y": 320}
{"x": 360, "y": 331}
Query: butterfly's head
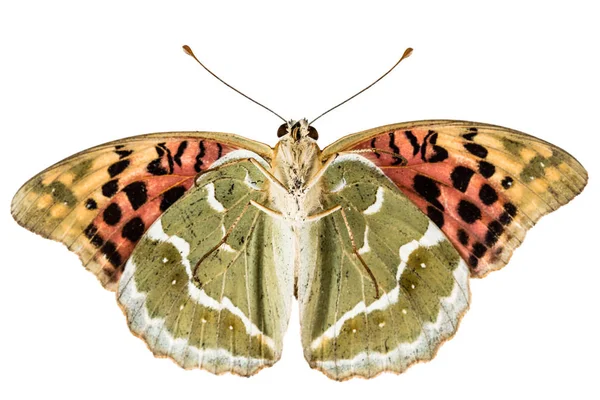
{"x": 297, "y": 155}
{"x": 297, "y": 130}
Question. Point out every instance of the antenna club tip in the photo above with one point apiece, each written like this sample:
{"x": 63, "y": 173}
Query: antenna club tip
{"x": 188, "y": 50}
{"x": 407, "y": 52}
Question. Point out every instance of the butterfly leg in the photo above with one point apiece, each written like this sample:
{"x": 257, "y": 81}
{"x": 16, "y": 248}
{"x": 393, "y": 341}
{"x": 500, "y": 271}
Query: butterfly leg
{"x": 268, "y": 175}
{"x": 320, "y": 173}
{"x": 270, "y": 212}
{"x": 322, "y": 214}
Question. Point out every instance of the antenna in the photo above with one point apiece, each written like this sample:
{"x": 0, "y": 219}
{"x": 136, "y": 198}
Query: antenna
{"x": 190, "y": 53}
{"x": 406, "y": 54}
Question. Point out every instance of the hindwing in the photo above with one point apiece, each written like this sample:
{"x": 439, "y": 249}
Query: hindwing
{"x": 380, "y": 287}
{"x": 207, "y": 285}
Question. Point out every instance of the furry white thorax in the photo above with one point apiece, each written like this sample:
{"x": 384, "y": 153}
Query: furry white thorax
{"x": 296, "y": 161}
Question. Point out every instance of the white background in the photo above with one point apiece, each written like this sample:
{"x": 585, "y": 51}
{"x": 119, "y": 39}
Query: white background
{"x": 73, "y": 75}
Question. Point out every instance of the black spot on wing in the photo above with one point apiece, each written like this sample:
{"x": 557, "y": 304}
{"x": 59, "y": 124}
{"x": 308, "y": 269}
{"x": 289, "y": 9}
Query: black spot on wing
{"x": 505, "y": 218}
{"x": 488, "y": 195}
{"x": 136, "y": 194}
{"x": 180, "y": 151}
{"x": 436, "y": 216}
{"x": 199, "y": 156}
{"x": 122, "y": 153}
{"x": 118, "y": 167}
{"x": 479, "y": 249}
{"x": 433, "y": 138}
{"x": 219, "y": 151}
{"x": 440, "y": 154}
{"x": 395, "y": 149}
{"x": 473, "y": 261}
{"x": 424, "y": 145}
{"x": 112, "y": 214}
{"x": 91, "y": 204}
{"x": 511, "y": 209}
{"x": 476, "y": 149}
{"x": 133, "y": 229}
{"x": 468, "y": 211}
{"x": 486, "y": 169}
{"x": 169, "y": 157}
{"x": 112, "y": 255}
{"x": 155, "y": 166}
{"x": 463, "y": 237}
{"x": 471, "y": 134}
{"x": 507, "y": 182}
{"x": 495, "y": 229}
{"x": 461, "y": 176}
{"x": 171, "y": 196}
{"x": 428, "y": 189}
{"x": 110, "y": 188}
{"x": 373, "y": 146}
{"x": 414, "y": 142}
{"x": 91, "y": 232}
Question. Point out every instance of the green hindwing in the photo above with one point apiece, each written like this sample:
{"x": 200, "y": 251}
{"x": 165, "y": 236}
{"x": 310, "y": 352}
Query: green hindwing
{"x": 201, "y": 286}
{"x": 381, "y": 287}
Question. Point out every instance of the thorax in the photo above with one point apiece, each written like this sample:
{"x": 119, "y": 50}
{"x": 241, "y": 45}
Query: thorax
{"x": 295, "y": 164}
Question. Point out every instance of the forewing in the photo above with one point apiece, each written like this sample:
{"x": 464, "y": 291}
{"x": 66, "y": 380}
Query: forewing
{"x": 350, "y": 328}
{"x": 202, "y": 286}
{"x": 101, "y": 201}
{"x": 483, "y": 185}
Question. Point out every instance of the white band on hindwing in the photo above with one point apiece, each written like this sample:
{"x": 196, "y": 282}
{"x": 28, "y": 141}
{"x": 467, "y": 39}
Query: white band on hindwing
{"x": 419, "y": 349}
{"x": 376, "y": 206}
{"x": 178, "y": 348}
{"x": 431, "y": 237}
{"x": 157, "y": 233}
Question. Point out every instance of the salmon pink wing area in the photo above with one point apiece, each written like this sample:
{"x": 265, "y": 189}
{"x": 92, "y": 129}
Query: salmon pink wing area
{"x": 483, "y": 185}
{"x": 101, "y": 201}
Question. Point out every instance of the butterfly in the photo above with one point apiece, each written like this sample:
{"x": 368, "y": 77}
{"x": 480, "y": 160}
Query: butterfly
{"x": 207, "y": 237}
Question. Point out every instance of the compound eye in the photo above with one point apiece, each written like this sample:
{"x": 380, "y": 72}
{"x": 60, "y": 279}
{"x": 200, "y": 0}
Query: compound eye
{"x": 282, "y": 131}
{"x": 312, "y": 133}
